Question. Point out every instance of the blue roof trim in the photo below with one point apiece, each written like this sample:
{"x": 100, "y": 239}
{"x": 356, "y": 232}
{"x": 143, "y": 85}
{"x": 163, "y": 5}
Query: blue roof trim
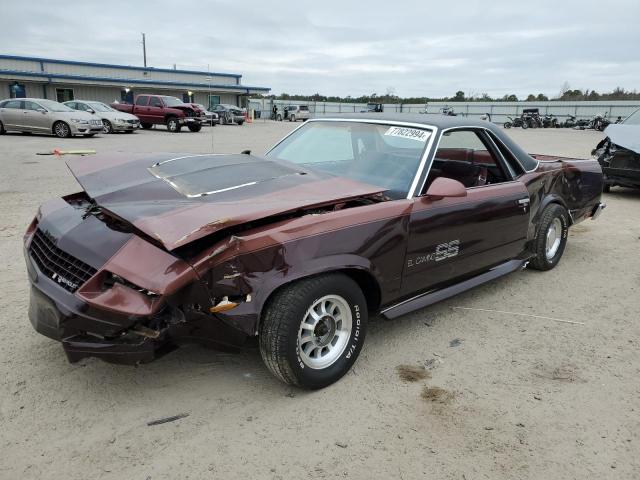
{"x": 127, "y": 81}
{"x": 108, "y": 65}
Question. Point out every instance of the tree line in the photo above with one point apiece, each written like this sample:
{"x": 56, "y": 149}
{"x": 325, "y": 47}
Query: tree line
{"x": 566, "y": 93}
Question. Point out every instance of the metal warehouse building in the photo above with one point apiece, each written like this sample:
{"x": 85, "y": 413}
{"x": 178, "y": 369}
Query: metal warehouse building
{"x": 64, "y": 80}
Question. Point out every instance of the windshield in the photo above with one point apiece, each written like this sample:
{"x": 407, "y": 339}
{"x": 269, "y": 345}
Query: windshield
{"x": 172, "y": 101}
{"x": 386, "y": 156}
{"x": 55, "y": 106}
{"x": 101, "y": 107}
{"x": 633, "y": 119}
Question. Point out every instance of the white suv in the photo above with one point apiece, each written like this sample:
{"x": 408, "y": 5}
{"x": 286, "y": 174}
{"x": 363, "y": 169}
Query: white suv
{"x": 297, "y": 112}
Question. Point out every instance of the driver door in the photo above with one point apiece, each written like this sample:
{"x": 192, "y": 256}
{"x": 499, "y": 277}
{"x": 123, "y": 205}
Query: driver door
{"x": 456, "y": 237}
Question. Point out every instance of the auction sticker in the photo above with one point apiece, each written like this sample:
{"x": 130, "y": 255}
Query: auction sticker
{"x": 410, "y": 133}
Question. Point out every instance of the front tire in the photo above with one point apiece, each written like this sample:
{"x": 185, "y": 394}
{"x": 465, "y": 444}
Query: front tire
{"x": 195, "y": 128}
{"x": 173, "y": 125}
{"x": 551, "y": 237}
{"x": 313, "y": 330}
{"x": 107, "y": 127}
{"x": 61, "y": 130}
{"x": 292, "y": 118}
{"x": 146, "y": 126}
{"x": 507, "y": 125}
{"x": 2, "y": 130}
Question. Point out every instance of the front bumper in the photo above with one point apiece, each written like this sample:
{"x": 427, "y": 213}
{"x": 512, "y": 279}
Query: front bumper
{"x": 125, "y": 127}
{"x": 84, "y": 129}
{"x": 191, "y": 120}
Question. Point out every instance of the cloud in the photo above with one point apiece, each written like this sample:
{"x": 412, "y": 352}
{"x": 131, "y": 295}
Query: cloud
{"x": 349, "y": 48}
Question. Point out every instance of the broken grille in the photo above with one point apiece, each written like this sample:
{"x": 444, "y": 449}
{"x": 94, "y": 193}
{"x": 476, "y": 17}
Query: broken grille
{"x": 64, "y": 269}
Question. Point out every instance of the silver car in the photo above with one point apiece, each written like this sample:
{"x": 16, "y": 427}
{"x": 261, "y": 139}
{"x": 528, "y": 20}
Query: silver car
{"x": 112, "y": 119}
{"x": 211, "y": 117}
{"x": 36, "y": 115}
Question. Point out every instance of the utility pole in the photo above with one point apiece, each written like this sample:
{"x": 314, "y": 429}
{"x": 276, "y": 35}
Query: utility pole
{"x": 144, "y": 50}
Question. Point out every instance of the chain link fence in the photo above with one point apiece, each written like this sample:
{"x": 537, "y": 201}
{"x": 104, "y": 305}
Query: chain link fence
{"x": 499, "y": 112}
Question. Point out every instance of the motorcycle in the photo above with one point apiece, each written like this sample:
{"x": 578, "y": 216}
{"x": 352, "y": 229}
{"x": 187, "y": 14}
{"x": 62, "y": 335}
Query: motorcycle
{"x": 570, "y": 122}
{"x": 448, "y": 111}
{"x": 550, "y": 121}
{"x": 514, "y": 122}
{"x": 599, "y": 122}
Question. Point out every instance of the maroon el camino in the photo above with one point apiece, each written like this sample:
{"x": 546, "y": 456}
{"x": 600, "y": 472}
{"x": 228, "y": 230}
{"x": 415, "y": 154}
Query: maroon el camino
{"x": 345, "y": 218}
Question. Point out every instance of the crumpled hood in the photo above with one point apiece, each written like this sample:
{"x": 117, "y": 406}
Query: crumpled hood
{"x": 626, "y": 136}
{"x": 177, "y": 199}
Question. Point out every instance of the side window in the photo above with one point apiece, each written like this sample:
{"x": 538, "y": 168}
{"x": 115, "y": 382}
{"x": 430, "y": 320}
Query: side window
{"x": 463, "y": 155}
{"x": 31, "y": 106}
{"x": 513, "y": 164}
{"x": 13, "y": 104}
{"x": 73, "y": 105}
{"x": 142, "y": 100}
{"x": 154, "y": 102}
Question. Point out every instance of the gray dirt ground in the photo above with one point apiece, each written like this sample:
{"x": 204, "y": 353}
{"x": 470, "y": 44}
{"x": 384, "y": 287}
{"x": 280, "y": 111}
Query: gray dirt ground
{"x": 513, "y": 398}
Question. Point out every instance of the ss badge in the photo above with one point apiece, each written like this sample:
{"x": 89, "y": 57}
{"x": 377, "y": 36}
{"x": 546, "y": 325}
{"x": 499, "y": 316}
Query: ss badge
{"x": 447, "y": 250}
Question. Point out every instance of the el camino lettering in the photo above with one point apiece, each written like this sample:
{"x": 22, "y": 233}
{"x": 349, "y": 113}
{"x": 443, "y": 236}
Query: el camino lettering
{"x": 442, "y": 252}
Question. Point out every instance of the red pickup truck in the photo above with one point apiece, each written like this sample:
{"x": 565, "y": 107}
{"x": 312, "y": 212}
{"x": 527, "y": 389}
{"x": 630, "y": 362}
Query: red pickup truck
{"x": 165, "y": 110}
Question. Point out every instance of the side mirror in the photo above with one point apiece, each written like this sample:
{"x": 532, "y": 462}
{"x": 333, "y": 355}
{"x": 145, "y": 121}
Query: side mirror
{"x": 91, "y": 110}
{"x": 41, "y": 110}
{"x": 443, "y": 187}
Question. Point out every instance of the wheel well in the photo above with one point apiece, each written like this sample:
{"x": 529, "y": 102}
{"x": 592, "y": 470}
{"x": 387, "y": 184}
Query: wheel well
{"x": 365, "y": 280}
{"x": 558, "y": 202}
{"x": 368, "y": 284}
{"x": 167, "y": 117}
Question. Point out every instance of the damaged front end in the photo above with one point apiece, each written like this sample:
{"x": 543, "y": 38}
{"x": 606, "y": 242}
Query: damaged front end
{"x": 619, "y": 156}
{"x": 105, "y": 292}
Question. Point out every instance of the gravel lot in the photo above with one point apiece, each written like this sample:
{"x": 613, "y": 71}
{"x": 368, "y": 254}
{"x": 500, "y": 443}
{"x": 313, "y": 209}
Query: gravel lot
{"x": 504, "y": 396}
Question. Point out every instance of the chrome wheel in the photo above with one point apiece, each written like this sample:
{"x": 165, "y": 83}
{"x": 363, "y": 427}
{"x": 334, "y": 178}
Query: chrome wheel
{"x": 324, "y": 331}
{"x": 106, "y": 126}
{"x": 554, "y": 238}
{"x": 61, "y": 129}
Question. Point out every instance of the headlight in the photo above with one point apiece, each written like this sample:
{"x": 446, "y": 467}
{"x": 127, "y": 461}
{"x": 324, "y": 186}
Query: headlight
{"x": 120, "y": 120}
{"x": 77, "y": 120}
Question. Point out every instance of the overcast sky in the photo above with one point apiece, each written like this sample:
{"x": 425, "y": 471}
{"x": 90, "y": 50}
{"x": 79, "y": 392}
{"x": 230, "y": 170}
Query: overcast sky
{"x": 349, "y": 47}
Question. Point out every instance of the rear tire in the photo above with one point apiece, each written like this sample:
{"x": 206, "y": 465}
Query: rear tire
{"x": 240, "y": 123}
{"x": 525, "y": 125}
{"x": 507, "y": 125}
{"x": 292, "y": 118}
{"x": 2, "y": 130}
{"x": 551, "y": 237}
{"x": 61, "y": 130}
{"x": 313, "y": 330}
{"x": 146, "y": 126}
